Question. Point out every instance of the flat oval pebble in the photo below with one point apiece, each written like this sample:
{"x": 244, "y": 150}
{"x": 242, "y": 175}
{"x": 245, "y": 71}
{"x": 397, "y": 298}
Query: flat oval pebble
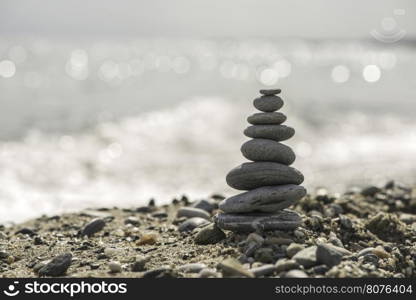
{"x": 57, "y": 266}
{"x": 268, "y": 150}
{"x": 210, "y": 234}
{"x": 270, "y": 92}
{"x": 267, "y": 118}
{"x": 282, "y": 220}
{"x": 272, "y": 132}
{"x": 192, "y": 223}
{"x": 268, "y": 103}
{"x": 93, "y": 227}
{"x": 192, "y": 212}
{"x": 253, "y": 175}
{"x": 264, "y": 199}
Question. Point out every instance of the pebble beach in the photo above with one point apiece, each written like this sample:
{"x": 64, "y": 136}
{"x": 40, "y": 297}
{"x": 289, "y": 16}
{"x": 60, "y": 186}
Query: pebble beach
{"x": 369, "y": 232}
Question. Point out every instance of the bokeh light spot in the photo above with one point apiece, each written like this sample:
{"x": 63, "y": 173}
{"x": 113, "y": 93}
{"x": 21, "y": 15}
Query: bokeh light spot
{"x": 269, "y": 76}
{"x": 371, "y": 73}
{"x": 340, "y": 74}
{"x": 7, "y": 68}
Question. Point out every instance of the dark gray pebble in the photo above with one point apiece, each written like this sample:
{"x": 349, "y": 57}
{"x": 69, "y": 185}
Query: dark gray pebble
{"x": 207, "y": 205}
{"x": 57, "y": 266}
{"x": 281, "y": 220}
{"x": 27, "y": 231}
{"x": 273, "y": 132}
{"x": 253, "y": 175}
{"x": 268, "y": 103}
{"x": 132, "y": 220}
{"x": 268, "y": 150}
{"x": 192, "y": 223}
{"x": 264, "y": 199}
{"x": 272, "y": 118}
{"x": 370, "y": 191}
{"x": 93, "y": 227}
{"x": 269, "y": 92}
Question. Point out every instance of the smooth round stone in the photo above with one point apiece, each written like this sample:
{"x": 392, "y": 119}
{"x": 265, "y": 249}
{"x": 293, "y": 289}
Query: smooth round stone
{"x": 272, "y": 132}
{"x": 268, "y": 118}
{"x": 192, "y": 223}
{"x": 264, "y": 199}
{"x": 268, "y": 150}
{"x": 268, "y": 103}
{"x": 282, "y": 220}
{"x": 270, "y": 92}
{"x": 253, "y": 175}
{"x": 192, "y": 212}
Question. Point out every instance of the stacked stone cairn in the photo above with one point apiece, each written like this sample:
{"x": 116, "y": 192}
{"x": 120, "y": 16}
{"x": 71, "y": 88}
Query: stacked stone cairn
{"x": 271, "y": 185}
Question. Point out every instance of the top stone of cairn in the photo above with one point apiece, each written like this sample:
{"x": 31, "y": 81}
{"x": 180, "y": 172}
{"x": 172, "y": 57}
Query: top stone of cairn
{"x": 270, "y": 92}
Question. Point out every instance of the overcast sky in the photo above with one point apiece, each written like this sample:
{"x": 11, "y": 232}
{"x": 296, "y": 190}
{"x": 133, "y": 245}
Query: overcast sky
{"x": 210, "y": 18}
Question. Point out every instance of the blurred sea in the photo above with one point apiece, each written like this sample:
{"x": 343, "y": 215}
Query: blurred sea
{"x": 96, "y": 123}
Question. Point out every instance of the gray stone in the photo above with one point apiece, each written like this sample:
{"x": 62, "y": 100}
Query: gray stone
{"x": 39, "y": 266}
{"x": 285, "y": 264}
{"x": 232, "y": 268}
{"x": 321, "y": 269}
{"x": 272, "y": 118}
{"x": 160, "y": 214}
{"x": 270, "y": 91}
{"x": 294, "y": 248}
{"x": 192, "y": 268}
{"x": 370, "y": 191}
{"x": 192, "y": 212}
{"x": 210, "y": 234}
{"x": 306, "y": 257}
{"x": 253, "y": 175}
{"x": 330, "y": 255}
{"x": 132, "y": 220}
{"x": 272, "y": 132}
{"x": 335, "y": 241}
{"x": 268, "y": 150}
{"x": 207, "y": 205}
{"x": 281, "y": 220}
{"x": 263, "y": 199}
{"x": 346, "y": 222}
{"x": 192, "y": 223}
{"x": 57, "y": 266}
{"x": 268, "y": 103}
{"x": 255, "y": 238}
{"x": 263, "y": 270}
{"x": 296, "y": 274}
{"x": 264, "y": 255}
{"x": 93, "y": 227}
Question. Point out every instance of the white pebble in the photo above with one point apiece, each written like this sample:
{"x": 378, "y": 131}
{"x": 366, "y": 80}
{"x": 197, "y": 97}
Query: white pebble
{"x": 114, "y": 266}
